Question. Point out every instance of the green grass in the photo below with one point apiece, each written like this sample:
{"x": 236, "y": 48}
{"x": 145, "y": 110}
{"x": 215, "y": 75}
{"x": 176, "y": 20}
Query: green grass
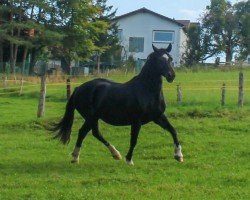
{"x": 215, "y": 145}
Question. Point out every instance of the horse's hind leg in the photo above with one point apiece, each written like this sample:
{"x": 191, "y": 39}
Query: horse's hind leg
{"x": 165, "y": 124}
{"x": 81, "y": 135}
{"x": 96, "y": 133}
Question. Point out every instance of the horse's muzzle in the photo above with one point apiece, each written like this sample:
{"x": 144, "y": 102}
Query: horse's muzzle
{"x": 170, "y": 77}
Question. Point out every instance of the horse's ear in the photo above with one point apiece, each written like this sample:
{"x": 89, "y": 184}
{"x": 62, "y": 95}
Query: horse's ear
{"x": 155, "y": 48}
{"x": 169, "y": 48}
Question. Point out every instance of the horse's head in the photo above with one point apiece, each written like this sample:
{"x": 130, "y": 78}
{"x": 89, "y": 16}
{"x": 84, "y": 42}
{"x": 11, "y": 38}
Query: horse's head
{"x": 164, "y": 62}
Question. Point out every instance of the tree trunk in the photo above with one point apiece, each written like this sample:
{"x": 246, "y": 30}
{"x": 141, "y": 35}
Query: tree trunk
{"x": 41, "y": 105}
{"x": 12, "y": 67}
{"x": 33, "y": 60}
{"x": 98, "y": 58}
{"x": 1, "y": 56}
{"x": 23, "y": 67}
{"x": 65, "y": 64}
{"x": 229, "y": 56}
{"x": 4, "y": 68}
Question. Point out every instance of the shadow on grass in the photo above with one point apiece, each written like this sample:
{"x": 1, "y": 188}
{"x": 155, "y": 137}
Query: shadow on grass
{"x": 60, "y": 167}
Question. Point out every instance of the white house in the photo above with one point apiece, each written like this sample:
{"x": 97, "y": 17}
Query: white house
{"x": 247, "y": 61}
{"x": 139, "y": 29}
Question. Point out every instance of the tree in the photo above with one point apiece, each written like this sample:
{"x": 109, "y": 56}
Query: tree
{"x": 221, "y": 26}
{"x": 107, "y": 42}
{"x": 69, "y": 30}
{"x": 46, "y": 35}
{"x": 197, "y": 45}
{"x": 242, "y": 12}
{"x": 80, "y": 28}
{"x": 25, "y": 27}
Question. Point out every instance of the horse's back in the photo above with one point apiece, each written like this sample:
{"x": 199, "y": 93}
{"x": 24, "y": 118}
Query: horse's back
{"x": 96, "y": 95}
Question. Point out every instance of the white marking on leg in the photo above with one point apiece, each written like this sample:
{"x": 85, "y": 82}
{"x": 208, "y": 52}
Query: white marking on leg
{"x": 115, "y": 153}
{"x": 130, "y": 162}
{"x": 75, "y": 155}
{"x": 177, "y": 153}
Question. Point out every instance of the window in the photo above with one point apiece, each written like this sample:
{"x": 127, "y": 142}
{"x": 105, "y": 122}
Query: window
{"x": 136, "y": 44}
{"x": 120, "y": 34}
{"x": 163, "y": 36}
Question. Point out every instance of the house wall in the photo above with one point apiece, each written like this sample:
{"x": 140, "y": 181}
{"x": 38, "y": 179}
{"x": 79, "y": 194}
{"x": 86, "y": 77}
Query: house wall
{"x": 143, "y": 25}
{"x": 247, "y": 61}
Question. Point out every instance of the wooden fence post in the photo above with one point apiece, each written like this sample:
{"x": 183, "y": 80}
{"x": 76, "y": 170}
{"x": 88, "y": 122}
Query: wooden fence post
{"x": 41, "y": 105}
{"x": 21, "y": 86}
{"x": 223, "y": 94}
{"x": 68, "y": 88}
{"x": 241, "y": 92}
{"x": 179, "y": 94}
{"x": 107, "y": 72}
{"x": 5, "y": 81}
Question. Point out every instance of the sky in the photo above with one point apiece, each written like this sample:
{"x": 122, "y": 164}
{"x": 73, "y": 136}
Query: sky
{"x": 177, "y": 9}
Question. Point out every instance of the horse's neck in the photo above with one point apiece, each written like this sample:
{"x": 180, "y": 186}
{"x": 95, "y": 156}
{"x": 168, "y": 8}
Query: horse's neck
{"x": 150, "y": 78}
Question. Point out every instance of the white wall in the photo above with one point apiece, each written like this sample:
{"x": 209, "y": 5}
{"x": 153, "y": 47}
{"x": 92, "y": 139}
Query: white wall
{"x": 143, "y": 25}
{"x": 247, "y": 61}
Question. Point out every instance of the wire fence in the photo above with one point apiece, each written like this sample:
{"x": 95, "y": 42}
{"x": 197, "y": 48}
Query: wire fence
{"x": 212, "y": 91}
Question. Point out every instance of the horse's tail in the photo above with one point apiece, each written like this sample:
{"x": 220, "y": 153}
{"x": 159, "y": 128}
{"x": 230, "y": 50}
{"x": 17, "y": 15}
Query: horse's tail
{"x": 65, "y": 125}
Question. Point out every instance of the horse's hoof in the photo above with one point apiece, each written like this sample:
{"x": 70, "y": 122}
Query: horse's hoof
{"x": 74, "y": 161}
{"x": 179, "y": 158}
{"x": 117, "y": 157}
{"x": 130, "y": 162}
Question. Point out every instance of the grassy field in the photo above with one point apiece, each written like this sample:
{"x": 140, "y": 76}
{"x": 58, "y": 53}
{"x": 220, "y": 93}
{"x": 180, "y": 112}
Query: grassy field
{"x": 215, "y": 143}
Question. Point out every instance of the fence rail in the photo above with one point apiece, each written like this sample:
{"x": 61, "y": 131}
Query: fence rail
{"x": 180, "y": 89}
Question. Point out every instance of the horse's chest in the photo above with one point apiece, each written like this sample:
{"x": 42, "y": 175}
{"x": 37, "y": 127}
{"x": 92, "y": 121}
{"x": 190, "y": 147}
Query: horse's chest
{"x": 153, "y": 105}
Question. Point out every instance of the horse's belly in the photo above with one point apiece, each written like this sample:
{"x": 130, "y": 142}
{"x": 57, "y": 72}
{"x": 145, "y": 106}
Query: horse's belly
{"x": 117, "y": 120}
{"x": 125, "y": 118}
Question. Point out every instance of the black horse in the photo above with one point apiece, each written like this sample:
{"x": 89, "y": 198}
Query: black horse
{"x": 136, "y": 102}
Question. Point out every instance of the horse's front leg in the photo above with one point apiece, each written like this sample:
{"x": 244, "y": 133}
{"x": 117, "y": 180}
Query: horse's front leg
{"x": 165, "y": 124}
{"x": 135, "y": 128}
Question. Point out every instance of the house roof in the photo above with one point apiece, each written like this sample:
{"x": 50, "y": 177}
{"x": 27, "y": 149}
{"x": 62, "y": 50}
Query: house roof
{"x": 186, "y": 23}
{"x": 145, "y": 10}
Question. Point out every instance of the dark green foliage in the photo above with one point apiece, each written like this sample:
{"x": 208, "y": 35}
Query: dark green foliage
{"x": 194, "y": 50}
{"x": 242, "y": 10}
{"x": 69, "y": 30}
{"x": 107, "y": 42}
{"x": 227, "y": 27}
{"x": 221, "y": 26}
